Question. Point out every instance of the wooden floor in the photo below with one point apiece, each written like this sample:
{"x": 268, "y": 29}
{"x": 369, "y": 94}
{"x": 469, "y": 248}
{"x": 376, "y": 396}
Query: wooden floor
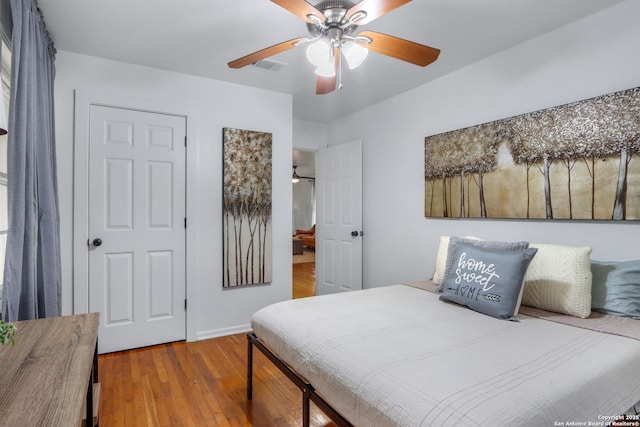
{"x": 304, "y": 279}
{"x": 202, "y": 383}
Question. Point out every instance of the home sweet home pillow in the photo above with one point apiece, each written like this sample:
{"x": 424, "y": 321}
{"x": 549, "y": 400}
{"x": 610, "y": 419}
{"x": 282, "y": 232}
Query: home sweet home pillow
{"x": 453, "y": 242}
{"x": 487, "y": 280}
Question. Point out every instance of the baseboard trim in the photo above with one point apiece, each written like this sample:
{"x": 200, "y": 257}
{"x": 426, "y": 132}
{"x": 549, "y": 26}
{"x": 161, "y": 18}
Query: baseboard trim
{"x": 223, "y": 332}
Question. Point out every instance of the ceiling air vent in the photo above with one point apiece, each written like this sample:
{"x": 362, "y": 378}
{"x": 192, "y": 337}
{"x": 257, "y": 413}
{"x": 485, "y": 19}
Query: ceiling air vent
{"x": 269, "y": 64}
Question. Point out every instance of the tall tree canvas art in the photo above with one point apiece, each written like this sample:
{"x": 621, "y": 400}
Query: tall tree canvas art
{"x": 574, "y": 161}
{"x": 247, "y": 208}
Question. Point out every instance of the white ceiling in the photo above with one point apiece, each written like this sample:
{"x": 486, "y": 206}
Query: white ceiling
{"x": 199, "y": 37}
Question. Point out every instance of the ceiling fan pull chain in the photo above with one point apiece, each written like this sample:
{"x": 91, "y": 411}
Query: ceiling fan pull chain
{"x": 339, "y": 71}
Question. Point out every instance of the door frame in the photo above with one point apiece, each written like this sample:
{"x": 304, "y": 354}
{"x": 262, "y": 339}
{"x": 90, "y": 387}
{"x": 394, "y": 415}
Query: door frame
{"x": 80, "y": 280}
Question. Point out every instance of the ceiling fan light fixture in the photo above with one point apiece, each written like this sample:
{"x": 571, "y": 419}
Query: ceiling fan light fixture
{"x": 327, "y": 69}
{"x": 354, "y": 54}
{"x": 318, "y": 52}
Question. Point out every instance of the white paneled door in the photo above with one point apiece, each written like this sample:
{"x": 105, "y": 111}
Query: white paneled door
{"x": 339, "y": 219}
{"x": 136, "y": 226}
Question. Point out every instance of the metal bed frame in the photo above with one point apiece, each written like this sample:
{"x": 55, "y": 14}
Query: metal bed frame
{"x": 308, "y": 391}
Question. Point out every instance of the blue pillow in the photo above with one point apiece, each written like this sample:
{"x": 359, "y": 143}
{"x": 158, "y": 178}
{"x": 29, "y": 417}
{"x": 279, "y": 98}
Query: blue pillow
{"x": 615, "y": 287}
{"x": 487, "y": 280}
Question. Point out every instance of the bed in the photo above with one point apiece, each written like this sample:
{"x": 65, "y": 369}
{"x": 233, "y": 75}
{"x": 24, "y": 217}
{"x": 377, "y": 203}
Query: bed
{"x": 400, "y": 356}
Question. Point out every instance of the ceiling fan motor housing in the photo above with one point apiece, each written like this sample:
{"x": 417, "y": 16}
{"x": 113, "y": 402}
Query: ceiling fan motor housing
{"x": 334, "y": 28}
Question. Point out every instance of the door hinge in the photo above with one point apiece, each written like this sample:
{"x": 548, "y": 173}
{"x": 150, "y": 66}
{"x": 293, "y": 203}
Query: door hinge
{"x": 185, "y": 303}
{"x": 185, "y": 223}
{"x": 185, "y": 140}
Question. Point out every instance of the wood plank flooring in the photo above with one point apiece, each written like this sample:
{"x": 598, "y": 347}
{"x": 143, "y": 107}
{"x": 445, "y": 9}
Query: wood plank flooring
{"x": 202, "y": 383}
{"x": 197, "y": 384}
{"x": 304, "y": 279}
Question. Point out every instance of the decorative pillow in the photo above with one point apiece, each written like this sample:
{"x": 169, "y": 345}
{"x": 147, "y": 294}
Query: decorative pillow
{"x": 487, "y": 280}
{"x": 441, "y": 259}
{"x": 455, "y": 240}
{"x": 616, "y": 287}
{"x": 559, "y": 280}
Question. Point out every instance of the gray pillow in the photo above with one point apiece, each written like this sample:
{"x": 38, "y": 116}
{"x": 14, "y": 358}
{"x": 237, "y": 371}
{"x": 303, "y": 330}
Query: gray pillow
{"x": 453, "y": 243}
{"x": 487, "y": 280}
{"x": 615, "y": 287}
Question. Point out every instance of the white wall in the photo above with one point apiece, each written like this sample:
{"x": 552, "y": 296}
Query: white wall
{"x": 209, "y": 105}
{"x": 593, "y": 56}
{"x": 309, "y": 136}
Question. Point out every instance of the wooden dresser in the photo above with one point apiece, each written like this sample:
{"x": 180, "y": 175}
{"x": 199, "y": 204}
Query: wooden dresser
{"x": 50, "y": 376}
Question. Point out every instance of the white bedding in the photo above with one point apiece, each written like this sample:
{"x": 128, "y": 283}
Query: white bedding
{"x": 397, "y": 356}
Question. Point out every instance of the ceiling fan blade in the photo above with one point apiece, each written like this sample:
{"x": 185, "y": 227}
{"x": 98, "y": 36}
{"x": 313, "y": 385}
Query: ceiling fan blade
{"x": 374, "y": 9}
{"x": 398, "y": 48}
{"x": 300, "y": 8}
{"x": 325, "y": 85}
{"x": 264, "y": 53}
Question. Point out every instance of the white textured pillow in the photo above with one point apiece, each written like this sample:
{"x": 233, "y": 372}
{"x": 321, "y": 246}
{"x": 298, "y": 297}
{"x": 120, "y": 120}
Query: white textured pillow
{"x": 441, "y": 258}
{"x": 559, "y": 279}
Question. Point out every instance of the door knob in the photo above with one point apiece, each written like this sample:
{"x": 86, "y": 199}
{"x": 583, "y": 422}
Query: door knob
{"x": 96, "y": 242}
{"x": 354, "y": 234}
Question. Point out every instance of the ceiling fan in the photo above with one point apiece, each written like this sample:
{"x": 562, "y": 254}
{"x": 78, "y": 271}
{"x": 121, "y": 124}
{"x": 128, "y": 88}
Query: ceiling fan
{"x": 332, "y": 25}
{"x": 295, "y": 177}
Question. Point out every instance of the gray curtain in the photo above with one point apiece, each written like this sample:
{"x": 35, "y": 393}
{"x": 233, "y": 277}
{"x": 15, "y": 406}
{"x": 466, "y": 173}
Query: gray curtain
{"x": 32, "y": 278}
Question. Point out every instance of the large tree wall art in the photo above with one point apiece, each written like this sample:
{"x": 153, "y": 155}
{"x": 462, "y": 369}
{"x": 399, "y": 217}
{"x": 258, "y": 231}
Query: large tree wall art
{"x": 247, "y": 207}
{"x": 574, "y": 161}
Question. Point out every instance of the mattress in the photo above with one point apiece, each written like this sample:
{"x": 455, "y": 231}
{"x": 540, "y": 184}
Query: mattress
{"x": 397, "y": 356}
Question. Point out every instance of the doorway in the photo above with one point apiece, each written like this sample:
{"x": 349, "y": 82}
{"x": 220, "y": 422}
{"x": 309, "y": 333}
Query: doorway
{"x": 303, "y": 224}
